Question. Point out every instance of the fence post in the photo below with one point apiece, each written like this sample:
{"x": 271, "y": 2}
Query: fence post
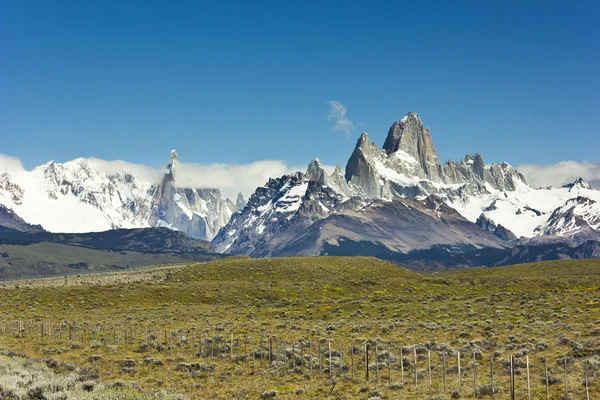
{"x": 585, "y": 371}
{"x": 444, "y": 370}
{"x": 546, "y": 376}
{"x": 492, "y": 373}
{"x": 512, "y": 377}
{"x": 566, "y": 383}
{"x": 528, "y": 381}
{"x": 352, "y": 358}
{"x": 416, "y": 376}
{"x": 320, "y": 363}
{"x": 389, "y": 360}
{"x": 458, "y": 357}
{"x": 253, "y": 355}
{"x": 341, "y": 359}
{"x": 376, "y": 365}
{"x": 367, "y": 362}
{"x": 330, "y": 364}
{"x": 401, "y": 367}
{"x": 474, "y": 376}
{"x": 429, "y": 367}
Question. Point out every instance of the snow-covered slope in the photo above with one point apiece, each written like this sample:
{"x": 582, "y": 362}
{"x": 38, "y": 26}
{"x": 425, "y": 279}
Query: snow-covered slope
{"x": 77, "y": 196}
{"x": 524, "y": 209}
{"x": 576, "y": 216}
{"x": 85, "y": 195}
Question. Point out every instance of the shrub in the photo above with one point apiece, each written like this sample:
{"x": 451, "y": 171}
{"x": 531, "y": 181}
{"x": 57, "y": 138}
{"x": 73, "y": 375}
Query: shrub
{"x": 269, "y": 394}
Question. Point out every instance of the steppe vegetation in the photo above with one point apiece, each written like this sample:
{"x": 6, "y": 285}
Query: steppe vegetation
{"x": 171, "y": 330}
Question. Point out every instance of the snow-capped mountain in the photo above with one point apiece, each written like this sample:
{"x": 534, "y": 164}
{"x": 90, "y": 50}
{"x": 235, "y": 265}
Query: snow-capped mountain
{"x": 580, "y": 215}
{"x": 278, "y": 211}
{"x": 307, "y": 213}
{"x": 83, "y": 195}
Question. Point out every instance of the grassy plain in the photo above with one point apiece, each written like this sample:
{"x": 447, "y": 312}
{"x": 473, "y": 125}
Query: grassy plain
{"x": 542, "y": 310}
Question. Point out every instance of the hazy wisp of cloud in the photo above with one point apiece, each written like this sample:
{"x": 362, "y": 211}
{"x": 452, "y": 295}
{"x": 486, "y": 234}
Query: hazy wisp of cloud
{"x": 338, "y": 114}
{"x": 561, "y": 173}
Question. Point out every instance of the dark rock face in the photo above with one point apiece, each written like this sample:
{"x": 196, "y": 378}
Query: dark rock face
{"x": 9, "y": 219}
{"x": 498, "y": 230}
{"x": 400, "y": 226}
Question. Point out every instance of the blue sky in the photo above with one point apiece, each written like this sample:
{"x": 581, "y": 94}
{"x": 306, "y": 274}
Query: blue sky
{"x": 239, "y": 81}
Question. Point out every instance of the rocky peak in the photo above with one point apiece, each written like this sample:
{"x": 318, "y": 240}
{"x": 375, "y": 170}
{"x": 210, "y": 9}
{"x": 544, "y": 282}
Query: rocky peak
{"x": 316, "y": 172}
{"x": 170, "y": 171}
{"x": 578, "y": 183}
{"x": 410, "y": 136}
{"x": 360, "y": 170}
{"x": 240, "y": 202}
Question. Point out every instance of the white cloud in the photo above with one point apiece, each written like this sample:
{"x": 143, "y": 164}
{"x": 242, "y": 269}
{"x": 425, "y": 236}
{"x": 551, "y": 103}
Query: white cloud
{"x": 10, "y": 164}
{"x": 338, "y": 115}
{"x": 561, "y": 173}
{"x": 231, "y": 178}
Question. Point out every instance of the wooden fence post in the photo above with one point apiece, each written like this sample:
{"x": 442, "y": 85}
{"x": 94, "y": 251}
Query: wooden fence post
{"x": 585, "y": 372}
{"x": 474, "y": 376}
{"x": 320, "y": 363}
{"x": 512, "y": 377}
{"x": 492, "y": 373}
{"x": 367, "y": 362}
{"x": 389, "y": 360}
{"x": 546, "y": 379}
{"x": 352, "y": 358}
{"x": 341, "y": 359}
{"x": 566, "y": 383}
{"x": 416, "y": 375}
{"x": 444, "y": 370}
{"x": 401, "y": 367}
{"x": 429, "y": 367}
{"x": 528, "y": 381}
{"x": 458, "y": 357}
{"x": 330, "y": 364}
{"x": 376, "y": 365}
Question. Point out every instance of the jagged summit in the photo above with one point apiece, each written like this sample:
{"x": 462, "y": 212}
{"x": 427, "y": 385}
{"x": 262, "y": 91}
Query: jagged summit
{"x": 410, "y": 136}
{"x": 578, "y": 183}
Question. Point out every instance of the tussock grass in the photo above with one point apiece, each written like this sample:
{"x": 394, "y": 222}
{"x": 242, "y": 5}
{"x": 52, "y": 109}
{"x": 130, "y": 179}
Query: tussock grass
{"x": 526, "y": 310}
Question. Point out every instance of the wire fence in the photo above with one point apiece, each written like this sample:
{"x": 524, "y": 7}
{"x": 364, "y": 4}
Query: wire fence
{"x": 431, "y": 368}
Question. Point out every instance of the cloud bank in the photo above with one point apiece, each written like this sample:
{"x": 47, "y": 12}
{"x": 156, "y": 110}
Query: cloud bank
{"x": 561, "y": 173}
{"x": 338, "y": 114}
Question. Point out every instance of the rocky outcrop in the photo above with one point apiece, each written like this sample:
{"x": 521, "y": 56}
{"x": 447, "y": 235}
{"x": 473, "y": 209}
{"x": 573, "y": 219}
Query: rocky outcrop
{"x": 9, "y": 219}
{"x": 498, "y": 230}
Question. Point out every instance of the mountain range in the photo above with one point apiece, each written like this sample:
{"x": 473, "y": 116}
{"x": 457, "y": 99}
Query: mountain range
{"x": 398, "y": 202}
